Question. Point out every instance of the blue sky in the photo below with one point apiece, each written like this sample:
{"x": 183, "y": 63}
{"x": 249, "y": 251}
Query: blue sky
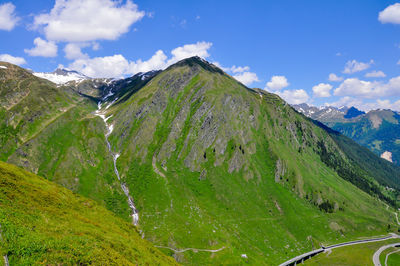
{"x": 289, "y": 47}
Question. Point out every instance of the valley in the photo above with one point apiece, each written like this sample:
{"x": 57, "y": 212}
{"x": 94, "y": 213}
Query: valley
{"x": 205, "y": 167}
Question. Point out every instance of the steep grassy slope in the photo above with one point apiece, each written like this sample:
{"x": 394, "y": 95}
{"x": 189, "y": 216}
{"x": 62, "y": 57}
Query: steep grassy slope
{"x": 27, "y": 105}
{"x": 52, "y": 131}
{"x": 213, "y": 164}
{"x": 43, "y": 223}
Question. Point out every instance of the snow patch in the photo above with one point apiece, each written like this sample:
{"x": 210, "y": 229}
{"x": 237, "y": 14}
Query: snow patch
{"x": 4, "y": 67}
{"x": 387, "y": 155}
{"x": 61, "y": 79}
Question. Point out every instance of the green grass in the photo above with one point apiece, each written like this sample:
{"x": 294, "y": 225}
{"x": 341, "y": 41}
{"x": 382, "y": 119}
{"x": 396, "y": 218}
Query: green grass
{"x": 218, "y": 144}
{"x": 360, "y": 254}
{"x": 243, "y": 209}
{"x": 393, "y": 259}
{"x": 44, "y": 223}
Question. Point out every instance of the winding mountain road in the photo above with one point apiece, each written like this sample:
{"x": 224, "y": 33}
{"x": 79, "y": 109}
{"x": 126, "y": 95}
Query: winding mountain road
{"x": 387, "y": 255}
{"x": 375, "y": 258}
{"x": 310, "y": 254}
{"x": 377, "y": 254}
{"x": 192, "y": 249}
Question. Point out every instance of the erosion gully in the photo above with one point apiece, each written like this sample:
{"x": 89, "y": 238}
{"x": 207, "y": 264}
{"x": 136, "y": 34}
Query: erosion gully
{"x": 101, "y": 113}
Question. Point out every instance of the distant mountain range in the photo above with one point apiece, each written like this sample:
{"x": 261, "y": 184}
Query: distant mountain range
{"x": 378, "y": 130}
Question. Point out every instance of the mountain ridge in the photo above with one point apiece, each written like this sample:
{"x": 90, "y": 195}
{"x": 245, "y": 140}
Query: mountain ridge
{"x": 211, "y": 163}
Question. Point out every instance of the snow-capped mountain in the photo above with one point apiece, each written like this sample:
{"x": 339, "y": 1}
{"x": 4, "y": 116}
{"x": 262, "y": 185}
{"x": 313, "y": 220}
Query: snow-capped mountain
{"x": 324, "y": 113}
{"x": 62, "y": 76}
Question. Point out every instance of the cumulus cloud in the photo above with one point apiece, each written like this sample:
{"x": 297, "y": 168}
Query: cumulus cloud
{"x": 12, "y": 59}
{"x": 240, "y": 73}
{"x": 391, "y": 14}
{"x": 107, "y": 67}
{"x": 366, "y": 106}
{"x": 375, "y": 74}
{"x": 246, "y": 77}
{"x": 74, "y": 51}
{"x": 355, "y": 66}
{"x": 346, "y": 101}
{"x": 277, "y": 83}
{"x": 88, "y": 20}
{"x": 294, "y": 96}
{"x": 322, "y": 90}
{"x": 157, "y": 61}
{"x": 368, "y": 89}
{"x": 188, "y": 50}
{"x": 42, "y": 48}
{"x": 333, "y": 77}
{"x": 239, "y": 69}
{"x": 8, "y": 19}
{"x": 118, "y": 65}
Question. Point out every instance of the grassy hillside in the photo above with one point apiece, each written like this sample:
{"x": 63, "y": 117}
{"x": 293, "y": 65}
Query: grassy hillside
{"x": 51, "y": 131}
{"x": 27, "y": 105}
{"x": 212, "y": 166}
{"x": 44, "y": 223}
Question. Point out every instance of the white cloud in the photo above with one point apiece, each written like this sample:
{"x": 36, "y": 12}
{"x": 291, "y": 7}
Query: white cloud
{"x": 294, "y": 96}
{"x": 322, "y": 90}
{"x": 246, "y": 78}
{"x": 391, "y": 14}
{"x": 384, "y": 104}
{"x": 73, "y": 51}
{"x": 346, "y": 101}
{"x": 8, "y": 19}
{"x": 333, "y": 77}
{"x": 42, "y": 48}
{"x": 105, "y": 67}
{"x": 240, "y": 73}
{"x": 200, "y": 49}
{"x": 88, "y": 20}
{"x": 277, "y": 83}
{"x": 368, "y": 89}
{"x": 356, "y": 87}
{"x": 366, "y": 106}
{"x": 239, "y": 69}
{"x": 12, "y": 59}
{"x": 375, "y": 74}
{"x": 118, "y": 65}
{"x": 354, "y": 66}
{"x": 157, "y": 61}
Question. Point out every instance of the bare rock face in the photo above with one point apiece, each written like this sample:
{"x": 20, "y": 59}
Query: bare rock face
{"x": 280, "y": 170}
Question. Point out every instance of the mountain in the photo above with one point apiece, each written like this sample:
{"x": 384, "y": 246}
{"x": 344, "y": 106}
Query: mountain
{"x": 44, "y": 223}
{"x": 378, "y": 130}
{"x": 353, "y": 112}
{"x": 62, "y": 76}
{"x": 322, "y": 114}
{"x": 212, "y": 172}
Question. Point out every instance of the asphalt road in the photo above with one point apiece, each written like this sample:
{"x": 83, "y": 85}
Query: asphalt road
{"x": 377, "y": 254}
{"x": 307, "y": 255}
